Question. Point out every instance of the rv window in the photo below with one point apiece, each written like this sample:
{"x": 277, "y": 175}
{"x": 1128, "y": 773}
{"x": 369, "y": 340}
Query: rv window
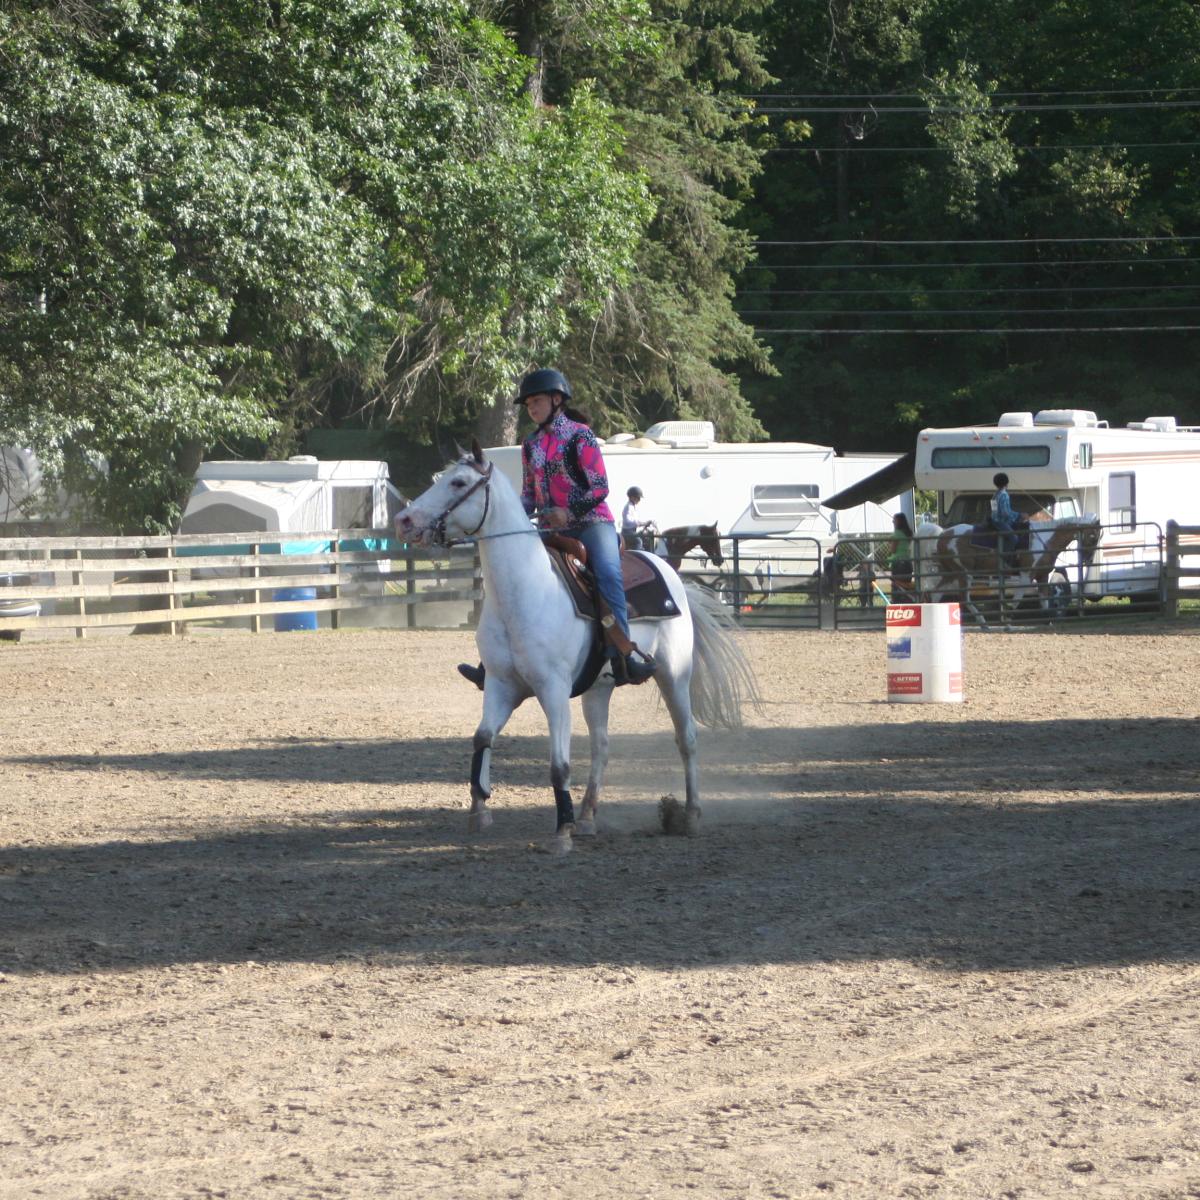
{"x": 1085, "y": 456}
{"x": 784, "y": 500}
{"x": 1122, "y": 501}
{"x": 352, "y": 508}
{"x": 1064, "y": 506}
{"x": 976, "y": 509}
{"x": 954, "y": 457}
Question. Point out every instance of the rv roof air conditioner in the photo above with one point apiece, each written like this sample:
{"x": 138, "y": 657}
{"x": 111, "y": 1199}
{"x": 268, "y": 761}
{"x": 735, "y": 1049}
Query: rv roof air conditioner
{"x": 1160, "y": 424}
{"x": 1075, "y": 417}
{"x": 682, "y": 434}
{"x": 1015, "y": 420}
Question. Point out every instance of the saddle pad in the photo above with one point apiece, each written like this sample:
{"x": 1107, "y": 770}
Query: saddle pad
{"x": 646, "y": 592}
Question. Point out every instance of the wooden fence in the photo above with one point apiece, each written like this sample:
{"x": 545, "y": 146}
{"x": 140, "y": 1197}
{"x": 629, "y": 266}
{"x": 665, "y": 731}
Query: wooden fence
{"x": 87, "y": 583}
{"x": 1183, "y": 543}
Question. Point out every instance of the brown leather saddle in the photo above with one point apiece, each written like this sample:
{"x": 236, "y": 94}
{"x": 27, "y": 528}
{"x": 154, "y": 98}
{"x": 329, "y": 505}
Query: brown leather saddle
{"x": 646, "y": 593}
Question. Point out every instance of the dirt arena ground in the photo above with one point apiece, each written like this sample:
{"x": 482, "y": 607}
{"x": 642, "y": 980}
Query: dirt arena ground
{"x": 247, "y": 949}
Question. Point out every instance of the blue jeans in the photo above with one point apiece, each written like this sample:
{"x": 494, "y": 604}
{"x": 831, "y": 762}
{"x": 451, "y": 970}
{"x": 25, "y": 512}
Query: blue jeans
{"x": 604, "y": 558}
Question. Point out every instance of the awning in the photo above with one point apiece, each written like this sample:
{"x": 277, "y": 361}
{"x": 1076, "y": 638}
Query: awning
{"x": 895, "y": 478}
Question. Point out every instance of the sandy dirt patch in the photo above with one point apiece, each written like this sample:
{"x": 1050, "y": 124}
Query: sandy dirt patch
{"x": 248, "y": 950}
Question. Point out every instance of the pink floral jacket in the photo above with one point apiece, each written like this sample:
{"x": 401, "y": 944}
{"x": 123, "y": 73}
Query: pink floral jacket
{"x": 562, "y": 467}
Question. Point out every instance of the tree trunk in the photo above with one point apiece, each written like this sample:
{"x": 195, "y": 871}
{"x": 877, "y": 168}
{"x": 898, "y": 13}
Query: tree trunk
{"x": 496, "y": 424}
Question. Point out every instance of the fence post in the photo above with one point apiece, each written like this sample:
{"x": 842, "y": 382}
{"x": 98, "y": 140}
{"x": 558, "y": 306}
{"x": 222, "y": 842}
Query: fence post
{"x": 80, "y": 605}
{"x": 1171, "y": 582}
{"x": 336, "y": 568}
{"x": 173, "y": 626}
{"x": 476, "y": 587}
{"x": 410, "y": 616}
{"x": 255, "y": 574}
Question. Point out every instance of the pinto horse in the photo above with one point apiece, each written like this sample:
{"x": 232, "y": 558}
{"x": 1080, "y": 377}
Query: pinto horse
{"x": 533, "y": 644}
{"x": 952, "y": 563}
{"x": 682, "y": 538}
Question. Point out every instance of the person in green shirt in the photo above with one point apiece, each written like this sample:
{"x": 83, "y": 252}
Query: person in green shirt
{"x": 900, "y": 554}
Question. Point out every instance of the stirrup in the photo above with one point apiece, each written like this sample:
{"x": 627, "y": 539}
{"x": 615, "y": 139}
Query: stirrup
{"x": 475, "y": 675}
{"x": 630, "y": 670}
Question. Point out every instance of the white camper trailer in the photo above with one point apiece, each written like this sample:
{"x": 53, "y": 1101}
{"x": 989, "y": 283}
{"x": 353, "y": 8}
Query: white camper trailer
{"x": 1068, "y": 463}
{"x": 289, "y": 495}
{"x": 747, "y": 489}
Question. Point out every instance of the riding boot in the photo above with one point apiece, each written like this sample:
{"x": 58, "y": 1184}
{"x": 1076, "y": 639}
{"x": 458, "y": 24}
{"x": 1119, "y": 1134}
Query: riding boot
{"x": 474, "y": 674}
{"x": 641, "y": 668}
{"x": 630, "y": 669}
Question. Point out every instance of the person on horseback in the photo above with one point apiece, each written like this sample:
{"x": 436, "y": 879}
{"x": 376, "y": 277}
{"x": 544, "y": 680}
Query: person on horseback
{"x": 1004, "y": 518}
{"x": 565, "y": 484}
{"x": 636, "y": 527}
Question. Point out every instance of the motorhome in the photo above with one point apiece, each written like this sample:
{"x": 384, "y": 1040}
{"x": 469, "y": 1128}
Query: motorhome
{"x": 1068, "y": 463}
{"x": 749, "y": 490}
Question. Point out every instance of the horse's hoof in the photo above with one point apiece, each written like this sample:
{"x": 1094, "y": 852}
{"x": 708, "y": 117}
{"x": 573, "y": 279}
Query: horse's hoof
{"x": 692, "y": 822}
{"x": 477, "y": 822}
{"x": 585, "y": 828}
{"x": 562, "y": 841}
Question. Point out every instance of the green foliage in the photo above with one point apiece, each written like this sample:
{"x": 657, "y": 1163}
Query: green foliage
{"x": 968, "y": 216}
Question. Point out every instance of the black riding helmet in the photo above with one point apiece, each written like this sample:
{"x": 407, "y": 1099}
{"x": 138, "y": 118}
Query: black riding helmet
{"x": 634, "y": 493}
{"x": 547, "y": 379}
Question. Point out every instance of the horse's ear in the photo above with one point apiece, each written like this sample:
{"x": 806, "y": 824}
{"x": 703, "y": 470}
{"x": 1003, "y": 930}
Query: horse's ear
{"x": 477, "y": 451}
{"x": 461, "y": 452}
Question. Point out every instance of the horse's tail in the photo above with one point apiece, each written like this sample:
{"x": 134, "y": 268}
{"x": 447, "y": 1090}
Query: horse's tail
{"x": 722, "y": 678}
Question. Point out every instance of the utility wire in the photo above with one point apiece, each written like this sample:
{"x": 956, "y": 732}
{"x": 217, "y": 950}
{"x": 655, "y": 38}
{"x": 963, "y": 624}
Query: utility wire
{"x": 979, "y": 109}
{"x": 989, "y": 291}
{"x": 919, "y": 95}
{"x": 1028, "y": 241}
{"x": 915, "y": 266}
{"x": 1005, "y": 332}
{"x": 957, "y": 312}
{"x": 857, "y": 149}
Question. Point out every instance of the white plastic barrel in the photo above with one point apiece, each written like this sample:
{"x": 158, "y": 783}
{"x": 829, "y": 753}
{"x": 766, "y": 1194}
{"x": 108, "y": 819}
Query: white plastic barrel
{"x": 924, "y": 654}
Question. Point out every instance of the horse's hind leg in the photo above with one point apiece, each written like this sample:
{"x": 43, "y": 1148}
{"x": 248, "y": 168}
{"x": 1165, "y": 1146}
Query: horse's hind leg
{"x": 595, "y": 712}
{"x": 676, "y": 691}
{"x": 498, "y": 705}
{"x": 556, "y": 704}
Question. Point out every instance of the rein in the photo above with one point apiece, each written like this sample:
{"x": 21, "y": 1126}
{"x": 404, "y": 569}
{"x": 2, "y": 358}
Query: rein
{"x": 484, "y": 481}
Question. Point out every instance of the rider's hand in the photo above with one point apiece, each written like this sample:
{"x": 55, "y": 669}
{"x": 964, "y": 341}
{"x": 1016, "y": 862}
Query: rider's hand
{"x": 555, "y": 518}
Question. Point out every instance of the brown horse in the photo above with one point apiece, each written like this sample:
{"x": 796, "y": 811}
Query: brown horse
{"x": 953, "y": 565}
{"x": 683, "y": 538}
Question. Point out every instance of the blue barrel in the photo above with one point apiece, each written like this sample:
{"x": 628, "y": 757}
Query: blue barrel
{"x": 285, "y": 622}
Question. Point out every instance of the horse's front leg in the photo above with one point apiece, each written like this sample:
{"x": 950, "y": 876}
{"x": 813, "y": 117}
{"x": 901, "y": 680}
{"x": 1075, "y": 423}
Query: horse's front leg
{"x": 555, "y": 700}
{"x": 499, "y": 701}
{"x": 596, "y": 701}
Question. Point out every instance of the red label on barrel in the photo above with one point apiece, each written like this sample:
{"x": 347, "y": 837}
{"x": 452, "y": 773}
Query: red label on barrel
{"x": 908, "y": 683}
{"x": 899, "y": 614}
{"x": 955, "y": 682}
{"x": 955, "y": 614}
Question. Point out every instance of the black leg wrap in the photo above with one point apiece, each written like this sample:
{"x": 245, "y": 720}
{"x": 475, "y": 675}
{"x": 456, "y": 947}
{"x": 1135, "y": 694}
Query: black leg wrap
{"x": 566, "y": 810}
{"x": 477, "y": 791}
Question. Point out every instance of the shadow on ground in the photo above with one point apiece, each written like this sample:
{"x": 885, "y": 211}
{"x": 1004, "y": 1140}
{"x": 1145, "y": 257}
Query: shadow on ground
{"x": 868, "y": 845}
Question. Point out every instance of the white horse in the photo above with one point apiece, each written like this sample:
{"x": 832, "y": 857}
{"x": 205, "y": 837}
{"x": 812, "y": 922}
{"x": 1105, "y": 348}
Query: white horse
{"x": 532, "y": 643}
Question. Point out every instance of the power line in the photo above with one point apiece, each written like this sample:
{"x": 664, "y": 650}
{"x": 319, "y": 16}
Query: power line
{"x": 978, "y": 109}
{"x": 959, "y": 312}
{"x": 1060, "y": 262}
{"x": 990, "y": 291}
{"x": 1151, "y": 91}
{"x": 1005, "y": 332}
{"x": 1024, "y": 149}
{"x": 1027, "y": 241}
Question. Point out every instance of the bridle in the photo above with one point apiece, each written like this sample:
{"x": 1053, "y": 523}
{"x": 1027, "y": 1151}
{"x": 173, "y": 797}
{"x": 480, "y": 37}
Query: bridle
{"x": 484, "y": 480}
